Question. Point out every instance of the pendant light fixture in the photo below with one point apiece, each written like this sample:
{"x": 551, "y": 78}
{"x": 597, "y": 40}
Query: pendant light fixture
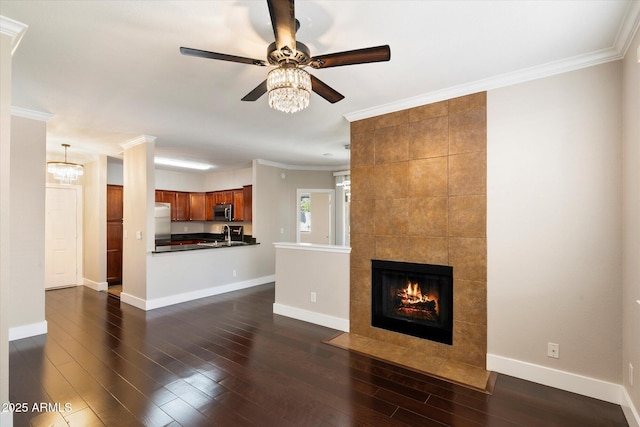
{"x": 65, "y": 172}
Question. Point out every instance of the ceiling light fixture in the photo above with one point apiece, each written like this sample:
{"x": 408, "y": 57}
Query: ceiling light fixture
{"x": 289, "y": 88}
{"x": 65, "y": 172}
{"x": 181, "y": 163}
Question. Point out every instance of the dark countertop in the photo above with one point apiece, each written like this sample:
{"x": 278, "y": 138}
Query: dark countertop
{"x": 197, "y": 241}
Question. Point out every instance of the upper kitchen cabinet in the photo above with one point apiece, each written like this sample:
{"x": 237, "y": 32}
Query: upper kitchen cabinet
{"x": 238, "y": 205}
{"x": 223, "y": 197}
{"x": 197, "y": 207}
{"x": 247, "y": 195}
{"x": 182, "y": 208}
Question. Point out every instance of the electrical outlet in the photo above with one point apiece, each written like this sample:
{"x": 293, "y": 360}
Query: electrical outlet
{"x": 234, "y": 273}
{"x": 313, "y": 297}
{"x": 630, "y": 374}
{"x": 553, "y": 350}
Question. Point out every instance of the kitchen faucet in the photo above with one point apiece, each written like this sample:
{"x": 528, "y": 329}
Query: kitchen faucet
{"x": 228, "y": 236}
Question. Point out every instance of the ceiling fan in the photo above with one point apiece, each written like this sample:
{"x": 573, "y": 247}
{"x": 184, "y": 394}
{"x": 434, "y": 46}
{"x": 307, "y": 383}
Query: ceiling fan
{"x": 288, "y": 83}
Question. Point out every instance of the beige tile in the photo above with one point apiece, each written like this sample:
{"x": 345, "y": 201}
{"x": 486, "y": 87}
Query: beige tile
{"x": 363, "y": 183}
{"x": 360, "y": 289}
{"x": 470, "y": 301}
{"x": 363, "y": 250}
{"x": 391, "y": 119}
{"x": 391, "y": 181}
{"x": 468, "y": 256}
{"x": 392, "y": 144}
{"x": 468, "y": 102}
{"x": 429, "y": 138}
{"x": 437, "y": 109}
{"x": 468, "y": 216}
{"x": 468, "y": 131}
{"x": 472, "y": 376}
{"x": 428, "y": 216}
{"x": 423, "y": 362}
{"x": 467, "y": 174}
{"x": 469, "y": 343}
{"x": 362, "y": 216}
{"x": 391, "y": 248}
{"x": 427, "y": 250}
{"x": 391, "y": 218}
{"x": 362, "y": 149}
{"x": 364, "y": 125}
{"x": 428, "y": 177}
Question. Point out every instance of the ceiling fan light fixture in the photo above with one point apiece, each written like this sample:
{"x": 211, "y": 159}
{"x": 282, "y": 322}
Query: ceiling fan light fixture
{"x": 289, "y": 89}
{"x": 65, "y": 172}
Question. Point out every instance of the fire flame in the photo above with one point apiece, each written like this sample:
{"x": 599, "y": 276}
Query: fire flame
{"x": 413, "y": 295}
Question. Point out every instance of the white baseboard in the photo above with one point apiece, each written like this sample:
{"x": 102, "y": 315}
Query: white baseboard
{"x": 96, "y": 286}
{"x": 630, "y": 411}
{"x": 579, "y": 384}
{"x": 26, "y": 331}
{"x": 193, "y": 295}
{"x": 6, "y": 419}
{"x": 312, "y": 317}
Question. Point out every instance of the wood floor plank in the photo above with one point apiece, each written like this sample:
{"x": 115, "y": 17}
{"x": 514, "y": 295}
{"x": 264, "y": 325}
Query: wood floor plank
{"x": 228, "y": 360}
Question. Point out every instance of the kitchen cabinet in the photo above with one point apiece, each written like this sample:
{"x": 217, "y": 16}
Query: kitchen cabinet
{"x": 114, "y": 202}
{"x": 182, "y": 206}
{"x": 197, "y": 207}
{"x": 224, "y": 197}
{"x": 114, "y": 233}
{"x": 247, "y": 195}
{"x": 210, "y": 202}
{"x": 238, "y": 205}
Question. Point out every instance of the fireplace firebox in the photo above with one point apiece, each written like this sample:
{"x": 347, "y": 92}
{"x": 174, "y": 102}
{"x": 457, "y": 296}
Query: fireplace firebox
{"x": 414, "y": 299}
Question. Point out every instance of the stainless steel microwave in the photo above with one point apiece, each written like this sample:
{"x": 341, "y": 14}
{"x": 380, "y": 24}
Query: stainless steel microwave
{"x": 223, "y": 213}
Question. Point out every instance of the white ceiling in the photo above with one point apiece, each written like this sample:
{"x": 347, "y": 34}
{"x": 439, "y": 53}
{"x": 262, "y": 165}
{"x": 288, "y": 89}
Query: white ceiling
{"x": 110, "y": 71}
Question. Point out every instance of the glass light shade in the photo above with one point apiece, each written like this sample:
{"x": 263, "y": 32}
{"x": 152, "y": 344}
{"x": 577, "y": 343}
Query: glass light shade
{"x": 289, "y": 89}
{"x": 65, "y": 172}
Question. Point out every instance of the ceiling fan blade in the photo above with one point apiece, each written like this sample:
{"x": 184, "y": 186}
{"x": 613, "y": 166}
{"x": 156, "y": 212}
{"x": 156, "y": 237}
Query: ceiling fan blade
{"x": 283, "y": 20}
{"x": 358, "y": 56}
{"x": 260, "y": 90}
{"x": 325, "y": 91}
{"x": 224, "y": 57}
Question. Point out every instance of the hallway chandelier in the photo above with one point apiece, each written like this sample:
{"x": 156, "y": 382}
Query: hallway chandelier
{"x": 65, "y": 172}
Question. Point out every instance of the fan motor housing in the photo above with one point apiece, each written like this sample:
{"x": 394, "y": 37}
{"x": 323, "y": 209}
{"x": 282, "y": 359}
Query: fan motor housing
{"x": 300, "y": 56}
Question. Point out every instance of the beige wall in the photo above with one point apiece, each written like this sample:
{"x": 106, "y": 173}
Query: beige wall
{"x": 553, "y": 221}
{"x": 274, "y": 202}
{"x": 28, "y": 160}
{"x": 418, "y": 182}
{"x": 631, "y": 219}
{"x": 94, "y": 234}
{"x": 5, "y": 220}
{"x": 301, "y": 270}
{"x": 138, "y": 211}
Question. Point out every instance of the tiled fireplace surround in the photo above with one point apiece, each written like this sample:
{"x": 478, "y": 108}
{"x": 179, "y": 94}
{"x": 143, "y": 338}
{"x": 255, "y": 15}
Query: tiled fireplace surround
{"x": 419, "y": 195}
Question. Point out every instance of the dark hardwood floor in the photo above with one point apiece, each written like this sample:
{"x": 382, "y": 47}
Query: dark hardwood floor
{"x": 228, "y": 360}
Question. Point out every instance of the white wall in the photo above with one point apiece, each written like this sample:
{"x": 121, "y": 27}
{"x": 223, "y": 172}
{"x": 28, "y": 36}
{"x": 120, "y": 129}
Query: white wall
{"x": 631, "y": 218}
{"x": 554, "y": 235}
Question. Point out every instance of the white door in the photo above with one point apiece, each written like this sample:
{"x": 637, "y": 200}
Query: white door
{"x": 60, "y": 237}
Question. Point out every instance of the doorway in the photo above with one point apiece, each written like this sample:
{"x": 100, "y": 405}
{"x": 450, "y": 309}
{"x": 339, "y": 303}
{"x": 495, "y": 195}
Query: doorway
{"x": 63, "y": 236}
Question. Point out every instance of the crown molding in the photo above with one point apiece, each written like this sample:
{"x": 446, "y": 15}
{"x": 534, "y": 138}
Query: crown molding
{"x": 142, "y": 139}
{"x": 300, "y": 167}
{"x": 625, "y": 35}
{"x": 627, "y": 31}
{"x": 31, "y": 114}
{"x": 13, "y": 29}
